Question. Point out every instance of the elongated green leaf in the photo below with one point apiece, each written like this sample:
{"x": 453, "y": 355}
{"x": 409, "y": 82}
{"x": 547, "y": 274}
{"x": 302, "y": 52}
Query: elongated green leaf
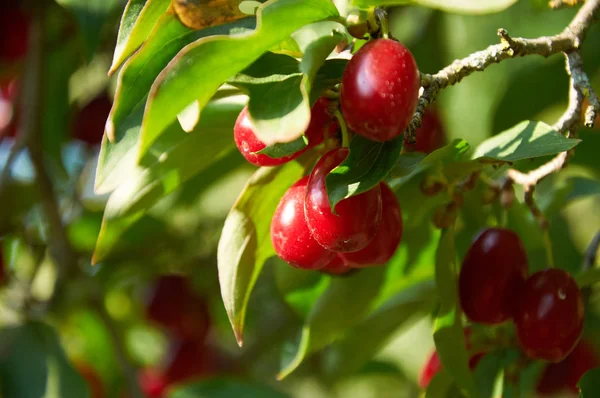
{"x": 33, "y": 365}
{"x": 489, "y": 371}
{"x": 590, "y": 384}
{"x": 344, "y": 303}
{"x": 368, "y": 163}
{"x": 137, "y": 22}
{"x": 525, "y": 140}
{"x": 225, "y": 388}
{"x": 449, "y": 335}
{"x": 182, "y": 156}
{"x": 197, "y": 72}
{"x": 456, "y": 6}
{"x": 363, "y": 341}
{"x": 245, "y": 243}
{"x": 440, "y": 385}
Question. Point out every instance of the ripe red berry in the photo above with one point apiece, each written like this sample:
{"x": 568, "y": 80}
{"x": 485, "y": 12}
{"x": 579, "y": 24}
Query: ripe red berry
{"x": 153, "y": 383}
{"x": 248, "y": 143}
{"x": 386, "y": 241}
{"x": 174, "y": 305}
{"x": 187, "y": 360}
{"x": 14, "y": 30}
{"x": 430, "y": 136}
{"x": 562, "y": 377}
{"x": 290, "y": 235}
{"x": 549, "y": 315}
{"x": 493, "y": 269}
{"x": 90, "y": 121}
{"x": 357, "y": 218}
{"x": 380, "y": 89}
{"x": 337, "y": 266}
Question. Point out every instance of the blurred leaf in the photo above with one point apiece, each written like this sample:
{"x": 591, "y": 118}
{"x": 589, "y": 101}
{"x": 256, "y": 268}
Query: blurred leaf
{"x": 346, "y": 300}
{"x": 584, "y": 187}
{"x": 300, "y": 288}
{"x": 17, "y": 199}
{"x": 91, "y": 16}
{"x": 137, "y": 22}
{"x": 368, "y": 163}
{"x": 33, "y": 364}
{"x": 457, "y": 6}
{"x": 589, "y": 384}
{"x": 524, "y": 141}
{"x": 119, "y": 158}
{"x": 196, "y": 73}
{"x": 245, "y": 242}
{"x": 449, "y": 336}
{"x": 490, "y": 368}
{"x": 364, "y": 340}
{"x": 225, "y": 388}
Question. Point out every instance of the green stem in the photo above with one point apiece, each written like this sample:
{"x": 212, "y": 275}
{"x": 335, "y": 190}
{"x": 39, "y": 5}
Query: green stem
{"x": 382, "y": 18}
{"x": 548, "y": 244}
{"x": 343, "y": 127}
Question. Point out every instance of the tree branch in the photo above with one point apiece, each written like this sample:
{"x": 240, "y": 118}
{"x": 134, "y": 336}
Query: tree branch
{"x": 568, "y": 41}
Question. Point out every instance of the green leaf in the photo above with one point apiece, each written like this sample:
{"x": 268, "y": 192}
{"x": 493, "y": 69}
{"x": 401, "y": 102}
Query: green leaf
{"x": 449, "y": 336}
{"x": 181, "y": 157}
{"x": 225, "y": 388}
{"x": 346, "y": 301}
{"x": 196, "y": 72}
{"x": 490, "y": 371}
{"x": 440, "y": 385}
{"x": 118, "y": 156}
{"x": 524, "y": 141}
{"x": 363, "y": 341}
{"x": 245, "y": 243}
{"x": 286, "y": 149}
{"x": 456, "y": 6}
{"x": 368, "y": 163}
{"x": 137, "y": 22}
{"x": 33, "y": 364}
{"x": 590, "y": 384}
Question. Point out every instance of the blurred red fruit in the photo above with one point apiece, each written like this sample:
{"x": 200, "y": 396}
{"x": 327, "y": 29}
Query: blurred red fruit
{"x": 92, "y": 378}
{"x": 430, "y": 136}
{"x": 152, "y": 383}
{"x": 90, "y": 121}
{"x": 188, "y": 360}
{"x": 14, "y": 30}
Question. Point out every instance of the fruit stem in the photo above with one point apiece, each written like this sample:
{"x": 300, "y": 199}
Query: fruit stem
{"x": 381, "y": 17}
{"x": 342, "y": 122}
{"x": 548, "y": 244}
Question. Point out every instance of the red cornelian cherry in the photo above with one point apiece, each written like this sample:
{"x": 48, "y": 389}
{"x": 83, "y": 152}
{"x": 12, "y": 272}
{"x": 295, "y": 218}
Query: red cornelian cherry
{"x": 290, "y": 235}
{"x": 493, "y": 269}
{"x": 14, "y": 30}
{"x": 90, "y": 121}
{"x": 248, "y": 143}
{"x": 388, "y": 236}
{"x": 380, "y": 90}
{"x": 430, "y": 136}
{"x": 549, "y": 315}
{"x": 357, "y": 219}
{"x": 337, "y": 266}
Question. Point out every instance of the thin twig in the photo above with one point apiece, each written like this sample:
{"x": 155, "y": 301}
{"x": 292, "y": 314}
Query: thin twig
{"x": 590, "y": 253}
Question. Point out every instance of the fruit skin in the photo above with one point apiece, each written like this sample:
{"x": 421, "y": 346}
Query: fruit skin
{"x": 14, "y": 30}
{"x": 493, "y": 270}
{"x": 380, "y": 89}
{"x": 337, "y": 266}
{"x": 247, "y": 142}
{"x": 549, "y": 315}
{"x": 562, "y": 377}
{"x": 388, "y": 236}
{"x": 89, "y": 123}
{"x": 430, "y": 136}
{"x": 357, "y": 219}
{"x": 174, "y": 305}
{"x": 292, "y": 240}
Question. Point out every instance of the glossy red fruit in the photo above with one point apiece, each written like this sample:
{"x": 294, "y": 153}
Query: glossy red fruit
{"x": 153, "y": 383}
{"x": 290, "y": 235}
{"x": 493, "y": 270}
{"x": 89, "y": 374}
{"x": 562, "y": 377}
{"x": 549, "y": 315}
{"x": 357, "y": 218}
{"x": 247, "y": 142}
{"x": 90, "y": 121}
{"x": 388, "y": 236}
{"x": 380, "y": 90}
{"x": 430, "y": 136}
{"x": 337, "y": 266}
{"x": 14, "y": 30}
{"x": 174, "y": 305}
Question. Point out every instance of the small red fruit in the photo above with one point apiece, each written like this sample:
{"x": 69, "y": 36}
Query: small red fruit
{"x": 188, "y": 360}
{"x": 14, "y": 30}
{"x": 380, "y": 90}
{"x": 92, "y": 378}
{"x": 386, "y": 241}
{"x": 90, "y": 121}
{"x": 493, "y": 269}
{"x": 290, "y": 235}
{"x": 430, "y": 136}
{"x": 153, "y": 383}
{"x": 549, "y": 315}
{"x": 562, "y": 377}
{"x": 357, "y": 219}
{"x": 337, "y": 266}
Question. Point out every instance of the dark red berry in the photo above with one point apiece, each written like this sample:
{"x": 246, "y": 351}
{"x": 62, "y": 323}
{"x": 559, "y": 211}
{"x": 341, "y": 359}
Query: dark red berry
{"x": 357, "y": 218}
{"x": 493, "y": 269}
{"x": 380, "y": 89}
{"x": 174, "y": 305}
{"x": 153, "y": 383}
{"x": 430, "y": 136}
{"x": 337, "y": 266}
{"x": 90, "y": 121}
{"x": 290, "y": 235}
{"x": 14, "y": 30}
{"x": 549, "y": 315}
{"x": 386, "y": 241}
{"x": 93, "y": 380}
{"x": 188, "y": 360}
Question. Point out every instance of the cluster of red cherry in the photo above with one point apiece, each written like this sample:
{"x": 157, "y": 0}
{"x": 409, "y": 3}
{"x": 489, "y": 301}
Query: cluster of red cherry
{"x": 547, "y": 308}
{"x": 378, "y": 97}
